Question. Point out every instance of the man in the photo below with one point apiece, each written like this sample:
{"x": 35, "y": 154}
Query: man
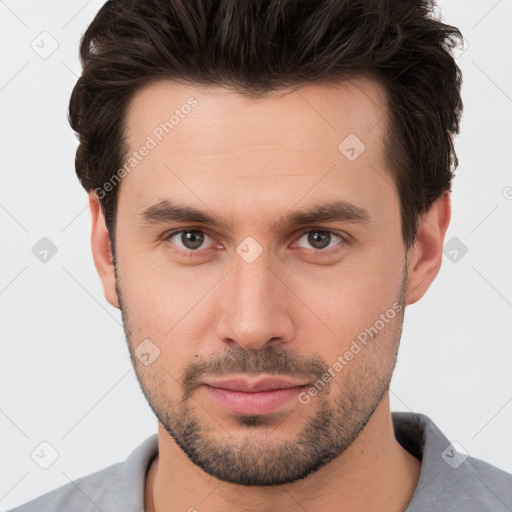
{"x": 269, "y": 188}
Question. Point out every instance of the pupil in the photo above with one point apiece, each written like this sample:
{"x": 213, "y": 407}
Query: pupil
{"x": 319, "y": 239}
{"x": 192, "y": 239}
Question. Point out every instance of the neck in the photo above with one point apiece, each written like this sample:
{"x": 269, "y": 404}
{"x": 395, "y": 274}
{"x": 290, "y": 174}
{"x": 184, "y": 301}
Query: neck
{"x": 375, "y": 473}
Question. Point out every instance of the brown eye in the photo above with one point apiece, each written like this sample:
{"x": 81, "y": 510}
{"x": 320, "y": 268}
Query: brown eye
{"x": 188, "y": 239}
{"x": 319, "y": 239}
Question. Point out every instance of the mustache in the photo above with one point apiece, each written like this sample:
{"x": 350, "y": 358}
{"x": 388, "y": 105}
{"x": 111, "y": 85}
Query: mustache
{"x": 270, "y": 360}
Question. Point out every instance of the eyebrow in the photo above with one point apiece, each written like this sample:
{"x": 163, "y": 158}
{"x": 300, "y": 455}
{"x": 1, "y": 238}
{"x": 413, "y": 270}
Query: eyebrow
{"x": 166, "y": 211}
{"x": 325, "y": 212}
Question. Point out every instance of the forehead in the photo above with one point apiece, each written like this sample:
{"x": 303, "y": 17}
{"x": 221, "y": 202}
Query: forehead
{"x": 214, "y": 143}
{"x": 312, "y": 112}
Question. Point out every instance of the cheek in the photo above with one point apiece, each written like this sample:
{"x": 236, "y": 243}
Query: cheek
{"x": 157, "y": 291}
{"x": 347, "y": 299}
{"x": 169, "y": 312}
{"x": 160, "y": 383}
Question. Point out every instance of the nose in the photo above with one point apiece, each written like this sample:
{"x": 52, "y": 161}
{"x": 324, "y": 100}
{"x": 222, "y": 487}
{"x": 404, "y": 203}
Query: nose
{"x": 256, "y": 307}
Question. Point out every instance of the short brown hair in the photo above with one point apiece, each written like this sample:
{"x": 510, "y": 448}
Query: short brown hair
{"x": 258, "y": 46}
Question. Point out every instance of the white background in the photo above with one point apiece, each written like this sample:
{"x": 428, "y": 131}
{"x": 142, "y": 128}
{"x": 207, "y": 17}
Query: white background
{"x": 66, "y": 377}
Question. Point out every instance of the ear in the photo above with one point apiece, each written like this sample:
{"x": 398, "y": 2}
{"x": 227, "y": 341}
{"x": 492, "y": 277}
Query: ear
{"x": 425, "y": 256}
{"x": 101, "y": 251}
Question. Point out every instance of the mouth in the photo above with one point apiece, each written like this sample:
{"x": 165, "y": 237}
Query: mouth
{"x": 263, "y": 396}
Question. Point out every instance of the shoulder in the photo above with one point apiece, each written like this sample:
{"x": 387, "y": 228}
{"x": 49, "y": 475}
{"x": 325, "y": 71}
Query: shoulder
{"x": 485, "y": 486}
{"x": 82, "y": 495}
{"x": 118, "y": 487}
{"x": 450, "y": 479}
{"x": 474, "y": 486}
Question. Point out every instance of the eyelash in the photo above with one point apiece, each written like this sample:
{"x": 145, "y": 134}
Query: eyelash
{"x": 316, "y": 252}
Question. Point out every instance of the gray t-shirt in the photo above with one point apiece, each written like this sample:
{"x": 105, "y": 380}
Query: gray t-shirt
{"x": 449, "y": 481}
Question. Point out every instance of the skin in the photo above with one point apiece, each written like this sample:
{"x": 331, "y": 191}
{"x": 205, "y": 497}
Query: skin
{"x": 249, "y": 162}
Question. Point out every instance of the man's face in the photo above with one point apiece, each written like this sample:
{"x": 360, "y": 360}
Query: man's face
{"x": 255, "y": 295}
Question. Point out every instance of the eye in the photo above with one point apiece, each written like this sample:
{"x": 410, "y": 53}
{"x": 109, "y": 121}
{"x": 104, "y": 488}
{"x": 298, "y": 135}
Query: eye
{"x": 191, "y": 242}
{"x": 320, "y": 240}
{"x": 188, "y": 240}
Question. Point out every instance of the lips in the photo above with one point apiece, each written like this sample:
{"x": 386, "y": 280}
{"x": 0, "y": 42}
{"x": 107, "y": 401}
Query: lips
{"x": 262, "y": 384}
{"x": 257, "y": 397}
